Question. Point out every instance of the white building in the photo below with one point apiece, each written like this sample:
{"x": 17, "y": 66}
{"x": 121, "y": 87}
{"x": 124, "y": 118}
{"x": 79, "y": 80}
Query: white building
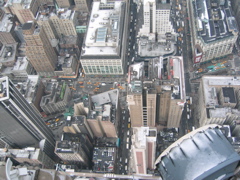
{"x": 156, "y": 18}
{"x": 104, "y": 47}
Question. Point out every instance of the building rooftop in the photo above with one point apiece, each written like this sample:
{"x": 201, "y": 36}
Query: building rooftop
{"x": 140, "y": 135}
{"x": 167, "y": 72}
{"x": 27, "y": 26}
{"x": 29, "y": 87}
{"x": 20, "y": 64}
{"x": 65, "y": 14}
{"x": 6, "y": 23}
{"x": 4, "y": 88}
{"x": 229, "y": 95}
{"x": 205, "y": 152}
{"x": 149, "y": 48}
{"x": 214, "y": 21}
{"x": 211, "y": 83}
{"x": 8, "y": 53}
{"x": 106, "y": 97}
{"x": 104, "y": 30}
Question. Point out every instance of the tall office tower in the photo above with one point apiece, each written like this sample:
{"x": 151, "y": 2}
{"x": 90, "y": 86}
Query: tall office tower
{"x": 64, "y": 22}
{"x": 20, "y": 126}
{"x": 74, "y": 148}
{"x": 7, "y": 33}
{"x": 219, "y": 101}
{"x": 104, "y": 49}
{"x": 81, "y": 126}
{"x": 144, "y": 149}
{"x": 213, "y": 29}
{"x": 94, "y": 123}
{"x": 63, "y": 3}
{"x": 44, "y": 21}
{"x": 38, "y": 49}
{"x": 141, "y": 98}
{"x": 158, "y": 102}
{"x": 207, "y": 145}
{"x": 83, "y": 5}
{"x": 25, "y": 10}
{"x": 156, "y": 18}
{"x": 82, "y": 106}
{"x": 171, "y": 91}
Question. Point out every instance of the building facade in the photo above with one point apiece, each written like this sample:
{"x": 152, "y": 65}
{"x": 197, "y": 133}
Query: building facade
{"x": 156, "y": 18}
{"x": 214, "y": 29}
{"x": 74, "y": 148}
{"x": 218, "y": 101}
{"x": 7, "y": 33}
{"x": 144, "y": 149}
{"x": 63, "y": 3}
{"x": 21, "y": 125}
{"x": 158, "y": 102}
{"x": 64, "y": 22}
{"x": 38, "y": 49}
{"x": 24, "y": 10}
{"x": 83, "y": 5}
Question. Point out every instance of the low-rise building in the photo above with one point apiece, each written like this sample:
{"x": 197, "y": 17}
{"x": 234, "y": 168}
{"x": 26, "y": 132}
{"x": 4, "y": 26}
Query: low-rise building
{"x": 57, "y": 99}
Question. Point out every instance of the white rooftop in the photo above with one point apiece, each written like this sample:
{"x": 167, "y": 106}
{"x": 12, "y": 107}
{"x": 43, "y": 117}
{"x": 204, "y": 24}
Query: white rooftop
{"x": 20, "y": 64}
{"x": 25, "y": 3}
{"x": 6, "y": 24}
{"x": 103, "y": 32}
{"x": 211, "y": 83}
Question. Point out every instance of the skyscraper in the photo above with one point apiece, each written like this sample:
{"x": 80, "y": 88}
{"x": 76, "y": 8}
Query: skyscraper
{"x": 20, "y": 126}
{"x": 38, "y": 49}
{"x": 159, "y": 101}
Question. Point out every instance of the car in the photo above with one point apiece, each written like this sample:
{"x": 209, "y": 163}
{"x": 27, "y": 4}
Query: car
{"x": 57, "y": 120}
{"x": 103, "y": 84}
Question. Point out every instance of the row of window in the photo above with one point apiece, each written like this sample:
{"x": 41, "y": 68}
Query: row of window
{"x": 103, "y": 69}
